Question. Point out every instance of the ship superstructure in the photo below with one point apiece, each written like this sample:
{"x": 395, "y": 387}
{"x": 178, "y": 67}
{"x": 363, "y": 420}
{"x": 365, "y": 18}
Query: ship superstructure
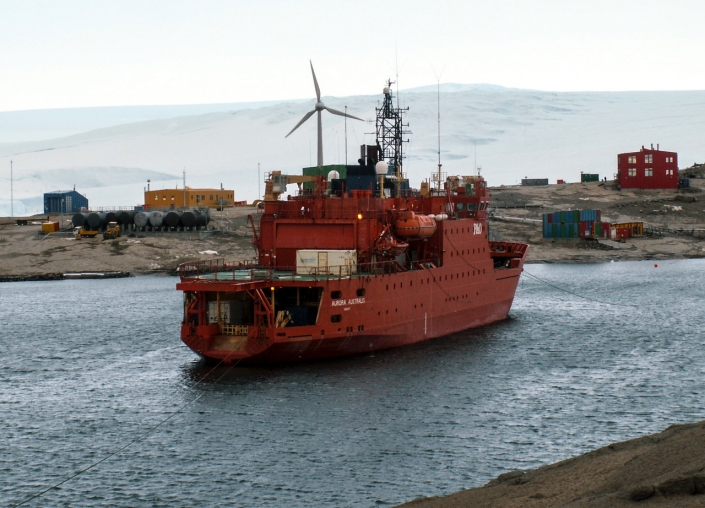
{"x": 355, "y": 264}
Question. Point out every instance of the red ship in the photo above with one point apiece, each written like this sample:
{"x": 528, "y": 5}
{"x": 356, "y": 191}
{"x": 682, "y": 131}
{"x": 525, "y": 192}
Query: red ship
{"x": 355, "y": 263}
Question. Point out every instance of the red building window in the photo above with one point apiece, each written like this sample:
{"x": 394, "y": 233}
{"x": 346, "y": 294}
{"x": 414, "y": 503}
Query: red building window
{"x": 632, "y": 171}
{"x": 649, "y": 172}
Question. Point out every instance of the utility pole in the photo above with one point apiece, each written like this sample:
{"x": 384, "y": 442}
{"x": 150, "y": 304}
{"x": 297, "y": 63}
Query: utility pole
{"x": 12, "y": 193}
{"x": 184, "y": 187}
{"x": 259, "y": 184}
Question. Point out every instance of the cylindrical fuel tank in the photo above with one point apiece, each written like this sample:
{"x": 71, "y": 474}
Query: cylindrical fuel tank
{"x": 411, "y": 225}
{"x": 202, "y": 218}
{"x": 79, "y": 219}
{"x": 188, "y": 218}
{"x": 157, "y": 219}
{"x": 172, "y": 218}
{"x": 111, "y": 217}
{"x": 94, "y": 221}
{"x": 126, "y": 217}
{"x": 142, "y": 219}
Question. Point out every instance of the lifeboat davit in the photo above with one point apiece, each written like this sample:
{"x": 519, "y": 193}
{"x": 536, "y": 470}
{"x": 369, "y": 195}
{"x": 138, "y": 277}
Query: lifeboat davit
{"x": 388, "y": 246}
{"x": 411, "y": 225}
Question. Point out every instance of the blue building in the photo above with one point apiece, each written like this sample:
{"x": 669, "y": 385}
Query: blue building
{"x": 68, "y": 201}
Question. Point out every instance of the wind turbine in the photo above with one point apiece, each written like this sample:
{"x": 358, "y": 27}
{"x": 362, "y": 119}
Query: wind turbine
{"x": 317, "y": 109}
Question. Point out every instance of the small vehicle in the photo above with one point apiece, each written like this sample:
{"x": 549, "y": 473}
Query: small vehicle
{"x": 112, "y": 231}
{"x": 84, "y": 233}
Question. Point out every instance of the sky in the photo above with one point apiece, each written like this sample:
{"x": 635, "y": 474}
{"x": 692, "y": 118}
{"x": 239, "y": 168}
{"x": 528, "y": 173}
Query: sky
{"x": 77, "y": 53}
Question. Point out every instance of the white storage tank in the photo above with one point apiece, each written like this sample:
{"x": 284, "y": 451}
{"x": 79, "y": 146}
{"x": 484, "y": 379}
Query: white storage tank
{"x": 334, "y": 262}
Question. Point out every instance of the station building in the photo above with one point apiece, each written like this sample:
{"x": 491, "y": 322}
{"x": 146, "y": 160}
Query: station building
{"x": 188, "y": 197}
{"x": 648, "y": 169}
{"x": 64, "y": 201}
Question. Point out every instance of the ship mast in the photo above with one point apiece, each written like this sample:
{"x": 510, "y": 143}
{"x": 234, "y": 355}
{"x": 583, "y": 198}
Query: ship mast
{"x": 438, "y": 84}
{"x": 390, "y": 135}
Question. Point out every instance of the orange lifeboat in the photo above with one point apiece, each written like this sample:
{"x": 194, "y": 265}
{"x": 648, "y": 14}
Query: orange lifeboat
{"x": 388, "y": 246}
{"x": 411, "y": 225}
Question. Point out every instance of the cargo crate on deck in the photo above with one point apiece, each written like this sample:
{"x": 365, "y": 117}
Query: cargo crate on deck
{"x": 334, "y": 262}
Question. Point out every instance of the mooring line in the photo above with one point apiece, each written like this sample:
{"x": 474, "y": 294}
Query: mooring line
{"x": 138, "y": 438}
{"x": 621, "y": 304}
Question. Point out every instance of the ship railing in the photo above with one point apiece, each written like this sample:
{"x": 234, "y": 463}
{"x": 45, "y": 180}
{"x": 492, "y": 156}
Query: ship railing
{"x": 196, "y": 269}
{"x": 220, "y": 270}
{"x": 348, "y": 212}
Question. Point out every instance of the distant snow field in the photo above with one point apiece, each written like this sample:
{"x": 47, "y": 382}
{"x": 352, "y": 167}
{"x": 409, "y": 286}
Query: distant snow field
{"x": 511, "y": 133}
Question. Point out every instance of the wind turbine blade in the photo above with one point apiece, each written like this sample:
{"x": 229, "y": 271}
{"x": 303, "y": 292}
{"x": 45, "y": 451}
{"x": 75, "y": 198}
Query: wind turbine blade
{"x": 315, "y": 82}
{"x": 306, "y": 117}
{"x": 340, "y": 113}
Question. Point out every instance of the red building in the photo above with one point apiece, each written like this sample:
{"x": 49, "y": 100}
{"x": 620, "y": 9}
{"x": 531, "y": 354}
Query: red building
{"x": 648, "y": 169}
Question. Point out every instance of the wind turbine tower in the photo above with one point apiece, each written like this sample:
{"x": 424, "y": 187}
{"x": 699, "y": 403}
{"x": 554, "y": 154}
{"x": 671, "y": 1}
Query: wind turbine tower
{"x": 317, "y": 109}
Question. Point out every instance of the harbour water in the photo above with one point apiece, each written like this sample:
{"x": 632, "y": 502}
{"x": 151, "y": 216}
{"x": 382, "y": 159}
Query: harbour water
{"x": 89, "y": 366}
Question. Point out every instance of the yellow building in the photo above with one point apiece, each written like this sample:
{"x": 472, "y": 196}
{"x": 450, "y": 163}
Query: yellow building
{"x": 166, "y": 198}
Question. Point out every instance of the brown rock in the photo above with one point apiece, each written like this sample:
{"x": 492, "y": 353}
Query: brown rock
{"x": 679, "y": 486}
{"x": 642, "y": 492}
{"x": 661, "y": 470}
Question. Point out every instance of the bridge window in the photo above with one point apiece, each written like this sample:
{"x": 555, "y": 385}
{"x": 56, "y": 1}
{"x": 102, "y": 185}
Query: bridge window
{"x": 361, "y": 292}
{"x": 336, "y": 294}
{"x": 336, "y": 318}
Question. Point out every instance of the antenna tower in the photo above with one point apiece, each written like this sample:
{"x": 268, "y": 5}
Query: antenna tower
{"x": 390, "y": 132}
{"x": 438, "y": 98}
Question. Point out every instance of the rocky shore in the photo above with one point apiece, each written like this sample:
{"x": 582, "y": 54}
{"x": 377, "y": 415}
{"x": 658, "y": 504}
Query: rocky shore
{"x": 676, "y": 218}
{"x": 660, "y": 470}
{"x": 26, "y": 254}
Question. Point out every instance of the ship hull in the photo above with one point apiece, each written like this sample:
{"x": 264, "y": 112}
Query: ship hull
{"x": 397, "y": 310}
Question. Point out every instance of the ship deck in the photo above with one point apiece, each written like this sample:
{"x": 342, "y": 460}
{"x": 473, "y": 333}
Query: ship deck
{"x": 270, "y": 275}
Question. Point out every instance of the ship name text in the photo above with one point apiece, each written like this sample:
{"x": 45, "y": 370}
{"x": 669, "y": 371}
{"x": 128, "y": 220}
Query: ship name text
{"x": 351, "y": 301}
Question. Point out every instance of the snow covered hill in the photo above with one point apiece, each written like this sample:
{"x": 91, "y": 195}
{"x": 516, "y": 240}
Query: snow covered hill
{"x": 515, "y": 134}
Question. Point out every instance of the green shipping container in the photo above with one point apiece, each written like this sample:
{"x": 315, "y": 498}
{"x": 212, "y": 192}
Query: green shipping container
{"x": 589, "y": 177}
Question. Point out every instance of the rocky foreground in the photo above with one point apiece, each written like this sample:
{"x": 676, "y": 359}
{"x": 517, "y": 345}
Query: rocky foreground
{"x": 665, "y": 469}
